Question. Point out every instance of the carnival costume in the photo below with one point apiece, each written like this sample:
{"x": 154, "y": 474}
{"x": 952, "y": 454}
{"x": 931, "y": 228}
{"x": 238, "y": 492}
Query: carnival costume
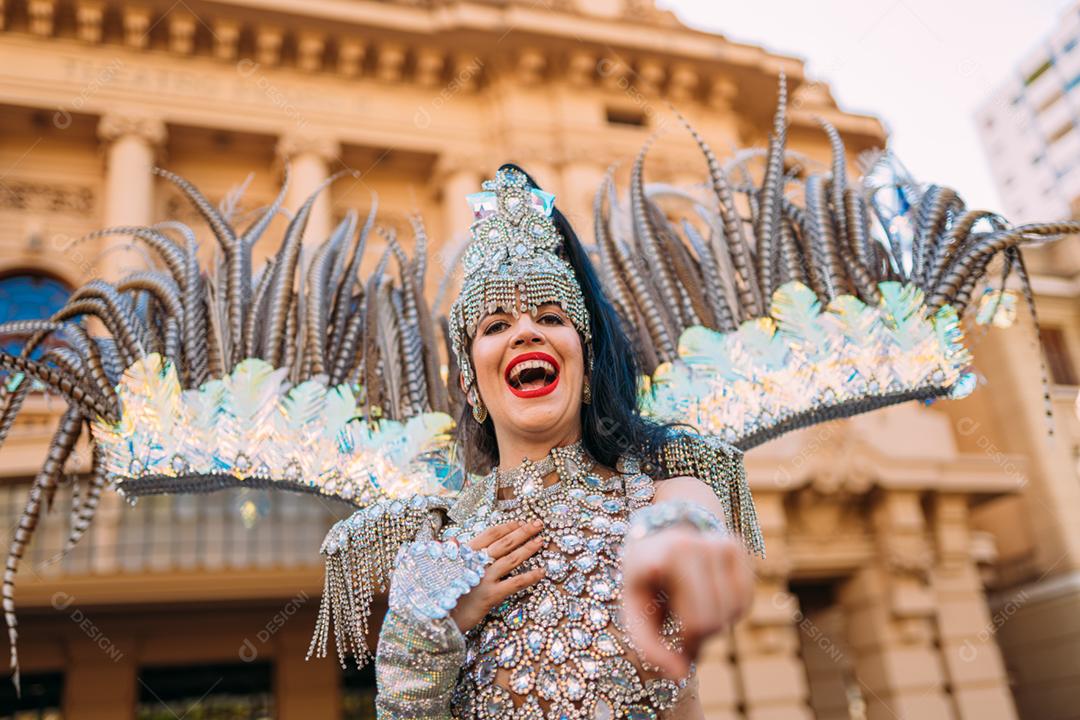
{"x": 753, "y": 315}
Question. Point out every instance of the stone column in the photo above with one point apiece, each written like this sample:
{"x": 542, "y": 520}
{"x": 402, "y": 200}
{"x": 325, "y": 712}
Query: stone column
{"x": 889, "y": 607}
{"x": 100, "y": 680}
{"x": 131, "y": 146}
{"x": 311, "y": 159}
{"x": 455, "y": 177}
{"x": 972, "y": 658}
{"x": 767, "y": 643}
{"x": 580, "y": 181}
{"x": 304, "y": 689}
{"x": 132, "y": 142}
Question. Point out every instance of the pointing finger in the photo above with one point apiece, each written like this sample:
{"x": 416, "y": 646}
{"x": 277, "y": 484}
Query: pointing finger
{"x": 642, "y": 616}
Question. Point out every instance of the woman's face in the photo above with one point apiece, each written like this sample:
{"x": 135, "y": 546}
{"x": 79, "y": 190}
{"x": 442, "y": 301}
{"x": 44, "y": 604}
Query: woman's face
{"x": 530, "y": 371}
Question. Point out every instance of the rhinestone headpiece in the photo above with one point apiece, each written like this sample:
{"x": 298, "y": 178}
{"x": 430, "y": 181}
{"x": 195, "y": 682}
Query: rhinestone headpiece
{"x": 513, "y": 262}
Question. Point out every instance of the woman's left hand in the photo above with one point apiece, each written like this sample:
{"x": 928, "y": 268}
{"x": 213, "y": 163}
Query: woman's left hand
{"x": 705, "y": 579}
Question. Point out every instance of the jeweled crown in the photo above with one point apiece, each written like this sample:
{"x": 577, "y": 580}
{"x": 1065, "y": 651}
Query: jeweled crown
{"x": 513, "y": 262}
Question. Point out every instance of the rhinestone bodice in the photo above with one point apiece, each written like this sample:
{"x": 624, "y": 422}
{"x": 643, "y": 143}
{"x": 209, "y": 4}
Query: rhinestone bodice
{"x": 557, "y": 650}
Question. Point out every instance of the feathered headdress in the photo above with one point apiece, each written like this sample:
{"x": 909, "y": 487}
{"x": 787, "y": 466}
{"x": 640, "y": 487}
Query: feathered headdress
{"x": 808, "y": 297}
{"x": 768, "y": 307}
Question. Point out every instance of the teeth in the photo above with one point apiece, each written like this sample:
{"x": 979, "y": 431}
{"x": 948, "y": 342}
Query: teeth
{"x": 521, "y": 366}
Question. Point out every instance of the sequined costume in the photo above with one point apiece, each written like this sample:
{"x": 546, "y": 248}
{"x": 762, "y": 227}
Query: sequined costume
{"x": 559, "y": 647}
{"x": 764, "y": 308}
{"x": 560, "y": 642}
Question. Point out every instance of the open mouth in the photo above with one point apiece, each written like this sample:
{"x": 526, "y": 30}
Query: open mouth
{"x": 532, "y": 374}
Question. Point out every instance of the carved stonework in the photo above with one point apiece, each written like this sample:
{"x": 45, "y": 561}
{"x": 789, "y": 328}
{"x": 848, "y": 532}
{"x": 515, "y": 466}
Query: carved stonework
{"x": 181, "y": 32}
{"x": 136, "y": 26}
{"x": 531, "y": 63}
{"x": 226, "y": 37}
{"x": 268, "y": 45}
{"x": 390, "y": 62}
{"x": 650, "y": 76}
{"x": 467, "y": 69}
{"x": 41, "y": 13}
{"x": 309, "y": 51}
{"x": 351, "y": 57}
{"x": 117, "y": 125}
{"x": 812, "y": 95}
{"x": 429, "y": 66}
{"x": 31, "y": 196}
{"x": 88, "y": 17}
{"x": 639, "y": 9}
{"x": 614, "y": 73}
{"x": 684, "y": 83}
{"x": 722, "y": 92}
{"x": 292, "y": 144}
{"x": 581, "y": 68}
{"x": 178, "y": 207}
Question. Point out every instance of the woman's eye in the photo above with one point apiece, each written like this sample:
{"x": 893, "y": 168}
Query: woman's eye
{"x": 552, "y": 316}
{"x": 494, "y": 326}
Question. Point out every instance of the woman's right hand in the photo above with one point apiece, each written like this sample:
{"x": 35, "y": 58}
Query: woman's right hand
{"x": 509, "y": 545}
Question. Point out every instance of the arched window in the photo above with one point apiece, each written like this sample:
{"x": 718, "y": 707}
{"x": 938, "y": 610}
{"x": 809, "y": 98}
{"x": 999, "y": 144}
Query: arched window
{"x": 28, "y": 296}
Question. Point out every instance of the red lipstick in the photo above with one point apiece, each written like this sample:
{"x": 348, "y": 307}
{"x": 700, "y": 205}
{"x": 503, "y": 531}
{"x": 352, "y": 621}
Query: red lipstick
{"x": 535, "y": 392}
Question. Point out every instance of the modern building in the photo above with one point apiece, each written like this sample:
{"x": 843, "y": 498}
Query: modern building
{"x": 1029, "y": 128}
{"x": 905, "y": 548}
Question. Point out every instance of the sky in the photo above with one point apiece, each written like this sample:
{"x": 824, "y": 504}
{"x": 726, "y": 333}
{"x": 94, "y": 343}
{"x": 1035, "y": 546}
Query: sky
{"x": 922, "y": 66}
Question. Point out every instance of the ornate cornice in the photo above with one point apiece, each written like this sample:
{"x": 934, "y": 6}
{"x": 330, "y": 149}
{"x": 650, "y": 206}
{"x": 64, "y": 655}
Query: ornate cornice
{"x": 654, "y": 57}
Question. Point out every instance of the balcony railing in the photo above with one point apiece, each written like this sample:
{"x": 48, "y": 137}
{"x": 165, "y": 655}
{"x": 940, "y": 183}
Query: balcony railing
{"x": 224, "y": 531}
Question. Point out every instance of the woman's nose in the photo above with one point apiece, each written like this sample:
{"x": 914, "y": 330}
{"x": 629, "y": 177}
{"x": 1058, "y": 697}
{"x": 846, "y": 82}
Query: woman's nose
{"x": 526, "y": 332}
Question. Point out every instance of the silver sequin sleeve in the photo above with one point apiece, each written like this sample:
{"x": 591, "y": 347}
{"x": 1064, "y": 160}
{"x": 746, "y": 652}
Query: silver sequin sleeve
{"x": 421, "y": 650}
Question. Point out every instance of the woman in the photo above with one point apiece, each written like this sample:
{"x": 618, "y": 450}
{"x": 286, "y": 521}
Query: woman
{"x": 551, "y": 589}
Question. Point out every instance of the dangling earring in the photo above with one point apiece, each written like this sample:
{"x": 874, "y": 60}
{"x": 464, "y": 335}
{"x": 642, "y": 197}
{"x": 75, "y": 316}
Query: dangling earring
{"x": 479, "y": 412}
{"x": 586, "y": 391}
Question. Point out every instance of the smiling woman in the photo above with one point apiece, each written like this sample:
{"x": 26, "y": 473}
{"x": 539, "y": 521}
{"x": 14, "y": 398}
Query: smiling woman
{"x": 552, "y": 617}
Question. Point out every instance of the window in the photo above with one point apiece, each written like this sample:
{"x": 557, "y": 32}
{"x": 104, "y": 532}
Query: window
{"x": 29, "y": 296}
{"x": 42, "y": 695}
{"x": 219, "y": 692}
{"x": 622, "y": 116}
{"x": 358, "y": 692}
{"x": 1039, "y": 72}
{"x": 1058, "y": 361}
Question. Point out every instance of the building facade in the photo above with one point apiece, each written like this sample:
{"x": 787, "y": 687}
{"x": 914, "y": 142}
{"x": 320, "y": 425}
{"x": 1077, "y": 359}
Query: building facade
{"x": 1028, "y": 128}
{"x": 903, "y": 546}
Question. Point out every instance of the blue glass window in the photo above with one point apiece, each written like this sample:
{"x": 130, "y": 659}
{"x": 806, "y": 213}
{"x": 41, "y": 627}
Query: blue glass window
{"x": 28, "y": 296}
